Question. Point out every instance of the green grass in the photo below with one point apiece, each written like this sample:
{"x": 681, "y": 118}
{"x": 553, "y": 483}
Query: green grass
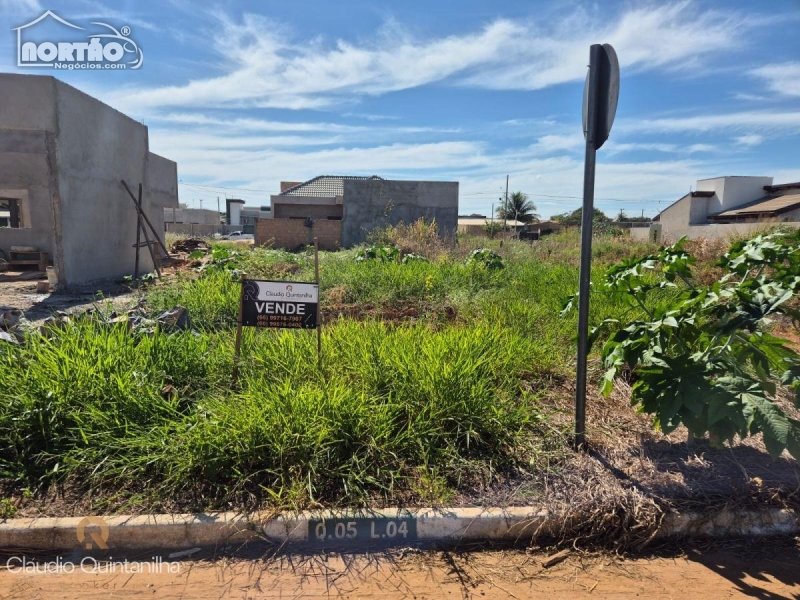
{"x": 399, "y": 411}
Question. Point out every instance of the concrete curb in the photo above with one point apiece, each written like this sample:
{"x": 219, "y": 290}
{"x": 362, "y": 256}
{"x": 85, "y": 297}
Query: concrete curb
{"x": 424, "y": 527}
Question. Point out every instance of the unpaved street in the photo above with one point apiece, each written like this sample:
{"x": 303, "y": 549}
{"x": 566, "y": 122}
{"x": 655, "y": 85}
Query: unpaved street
{"x": 740, "y": 570}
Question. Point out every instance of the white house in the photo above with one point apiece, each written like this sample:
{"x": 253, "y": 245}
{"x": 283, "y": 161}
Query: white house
{"x": 733, "y": 205}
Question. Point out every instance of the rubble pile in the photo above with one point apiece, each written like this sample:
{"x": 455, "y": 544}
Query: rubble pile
{"x": 13, "y": 325}
{"x": 189, "y": 245}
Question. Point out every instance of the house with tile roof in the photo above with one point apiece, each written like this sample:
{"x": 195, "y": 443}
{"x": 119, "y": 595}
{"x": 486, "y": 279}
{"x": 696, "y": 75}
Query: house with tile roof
{"x": 731, "y": 205}
{"x": 341, "y": 210}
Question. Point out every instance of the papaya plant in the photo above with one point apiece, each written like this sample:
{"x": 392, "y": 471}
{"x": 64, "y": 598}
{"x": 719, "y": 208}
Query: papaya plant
{"x": 703, "y": 355}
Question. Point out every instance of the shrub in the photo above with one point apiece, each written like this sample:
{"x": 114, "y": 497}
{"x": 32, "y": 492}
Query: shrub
{"x": 486, "y": 258}
{"x": 705, "y": 358}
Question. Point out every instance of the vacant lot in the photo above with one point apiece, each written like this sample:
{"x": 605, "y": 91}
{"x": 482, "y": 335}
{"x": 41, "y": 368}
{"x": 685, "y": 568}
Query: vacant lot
{"x": 445, "y": 379}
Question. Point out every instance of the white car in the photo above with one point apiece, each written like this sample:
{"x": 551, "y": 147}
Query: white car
{"x": 238, "y": 235}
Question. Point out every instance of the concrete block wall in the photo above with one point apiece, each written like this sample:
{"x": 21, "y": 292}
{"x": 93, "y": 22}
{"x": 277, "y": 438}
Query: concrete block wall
{"x": 27, "y": 155}
{"x": 292, "y": 233}
{"x": 197, "y": 216}
{"x": 714, "y": 231}
{"x": 66, "y": 152}
{"x": 328, "y": 233}
{"x": 97, "y": 147}
{"x": 373, "y": 203}
{"x": 162, "y": 188}
{"x": 315, "y": 211}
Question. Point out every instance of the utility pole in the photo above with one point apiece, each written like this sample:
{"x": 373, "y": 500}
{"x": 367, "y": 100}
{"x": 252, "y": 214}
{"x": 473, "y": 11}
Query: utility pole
{"x": 201, "y": 204}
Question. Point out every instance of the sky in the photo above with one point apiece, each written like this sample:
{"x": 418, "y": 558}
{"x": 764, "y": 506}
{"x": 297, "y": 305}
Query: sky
{"x": 244, "y": 95}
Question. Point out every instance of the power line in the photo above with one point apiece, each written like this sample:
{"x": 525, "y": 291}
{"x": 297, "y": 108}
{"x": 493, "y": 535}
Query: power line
{"x": 220, "y": 187}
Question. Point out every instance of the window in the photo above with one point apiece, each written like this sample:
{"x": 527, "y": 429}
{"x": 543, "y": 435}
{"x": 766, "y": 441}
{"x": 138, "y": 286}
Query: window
{"x": 10, "y": 213}
{"x": 14, "y": 208}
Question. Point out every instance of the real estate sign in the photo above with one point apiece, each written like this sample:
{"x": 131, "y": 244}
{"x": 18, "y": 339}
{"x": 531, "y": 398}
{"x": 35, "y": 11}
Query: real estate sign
{"x": 280, "y": 304}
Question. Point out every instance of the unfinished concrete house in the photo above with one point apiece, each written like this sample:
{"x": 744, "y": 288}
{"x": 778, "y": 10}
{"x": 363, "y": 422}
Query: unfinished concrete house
{"x": 340, "y": 211}
{"x": 62, "y": 157}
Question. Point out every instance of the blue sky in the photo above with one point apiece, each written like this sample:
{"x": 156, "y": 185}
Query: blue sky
{"x": 246, "y": 94}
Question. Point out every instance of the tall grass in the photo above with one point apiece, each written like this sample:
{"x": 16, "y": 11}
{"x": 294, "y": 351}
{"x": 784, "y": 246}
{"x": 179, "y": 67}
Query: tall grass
{"x": 105, "y": 408}
{"x": 89, "y": 404}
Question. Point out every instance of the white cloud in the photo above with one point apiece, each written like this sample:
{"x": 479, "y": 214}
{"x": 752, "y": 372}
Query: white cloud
{"x": 265, "y": 67}
{"x": 549, "y": 144}
{"x": 205, "y": 161}
{"x": 244, "y": 125}
{"x": 20, "y": 7}
{"x": 244, "y": 128}
{"x": 372, "y": 117}
{"x": 749, "y": 140}
{"x": 783, "y": 79}
{"x": 749, "y": 97}
{"x": 762, "y": 121}
{"x": 615, "y": 148}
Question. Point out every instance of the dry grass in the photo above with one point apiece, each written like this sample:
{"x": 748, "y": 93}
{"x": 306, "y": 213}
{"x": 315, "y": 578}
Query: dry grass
{"x": 420, "y": 237}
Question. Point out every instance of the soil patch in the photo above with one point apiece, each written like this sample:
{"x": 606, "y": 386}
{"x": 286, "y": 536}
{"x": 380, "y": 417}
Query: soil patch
{"x": 735, "y": 570}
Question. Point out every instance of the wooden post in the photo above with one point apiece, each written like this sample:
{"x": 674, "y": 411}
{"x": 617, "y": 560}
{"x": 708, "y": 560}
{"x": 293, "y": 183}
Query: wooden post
{"x": 138, "y": 241}
{"x": 146, "y": 219}
{"x": 319, "y": 309}
{"x": 238, "y": 344}
{"x": 146, "y": 236}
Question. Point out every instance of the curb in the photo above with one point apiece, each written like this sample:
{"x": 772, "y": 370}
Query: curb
{"x": 354, "y": 529}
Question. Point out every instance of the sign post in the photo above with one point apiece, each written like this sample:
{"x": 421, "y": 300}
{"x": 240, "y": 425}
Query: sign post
{"x": 600, "y": 96}
{"x": 319, "y": 315}
{"x": 276, "y": 305}
{"x": 238, "y": 345}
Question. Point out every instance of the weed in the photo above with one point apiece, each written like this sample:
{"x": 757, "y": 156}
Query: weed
{"x": 8, "y": 510}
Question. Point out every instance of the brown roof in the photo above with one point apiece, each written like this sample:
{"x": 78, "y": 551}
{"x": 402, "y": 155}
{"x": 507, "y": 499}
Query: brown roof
{"x": 782, "y": 186}
{"x": 770, "y": 205}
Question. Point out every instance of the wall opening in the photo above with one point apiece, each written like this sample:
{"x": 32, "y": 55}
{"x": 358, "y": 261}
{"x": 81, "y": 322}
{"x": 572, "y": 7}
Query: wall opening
{"x": 10, "y": 213}
{"x": 14, "y": 210}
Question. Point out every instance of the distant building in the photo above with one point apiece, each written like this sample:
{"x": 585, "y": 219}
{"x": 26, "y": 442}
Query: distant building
{"x": 250, "y": 216}
{"x": 722, "y": 206}
{"x": 191, "y": 221}
{"x": 340, "y": 211}
{"x": 479, "y": 226}
{"x": 184, "y": 215}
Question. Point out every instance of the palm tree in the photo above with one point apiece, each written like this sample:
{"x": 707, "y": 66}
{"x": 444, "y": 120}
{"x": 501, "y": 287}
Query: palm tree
{"x": 518, "y": 207}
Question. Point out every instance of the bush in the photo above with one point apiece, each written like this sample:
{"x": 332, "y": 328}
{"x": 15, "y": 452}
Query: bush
{"x": 486, "y": 258}
{"x": 706, "y": 358}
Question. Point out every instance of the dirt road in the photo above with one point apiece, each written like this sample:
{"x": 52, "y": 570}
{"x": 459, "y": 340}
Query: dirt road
{"x": 769, "y": 570}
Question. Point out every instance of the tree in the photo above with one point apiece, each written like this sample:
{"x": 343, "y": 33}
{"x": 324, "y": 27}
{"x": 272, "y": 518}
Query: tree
{"x": 519, "y": 208}
{"x": 623, "y": 218}
{"x": 573, "y": 219}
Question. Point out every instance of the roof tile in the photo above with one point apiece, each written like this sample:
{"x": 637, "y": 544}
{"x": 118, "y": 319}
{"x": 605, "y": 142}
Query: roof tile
{"x": 324, "y": 186}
